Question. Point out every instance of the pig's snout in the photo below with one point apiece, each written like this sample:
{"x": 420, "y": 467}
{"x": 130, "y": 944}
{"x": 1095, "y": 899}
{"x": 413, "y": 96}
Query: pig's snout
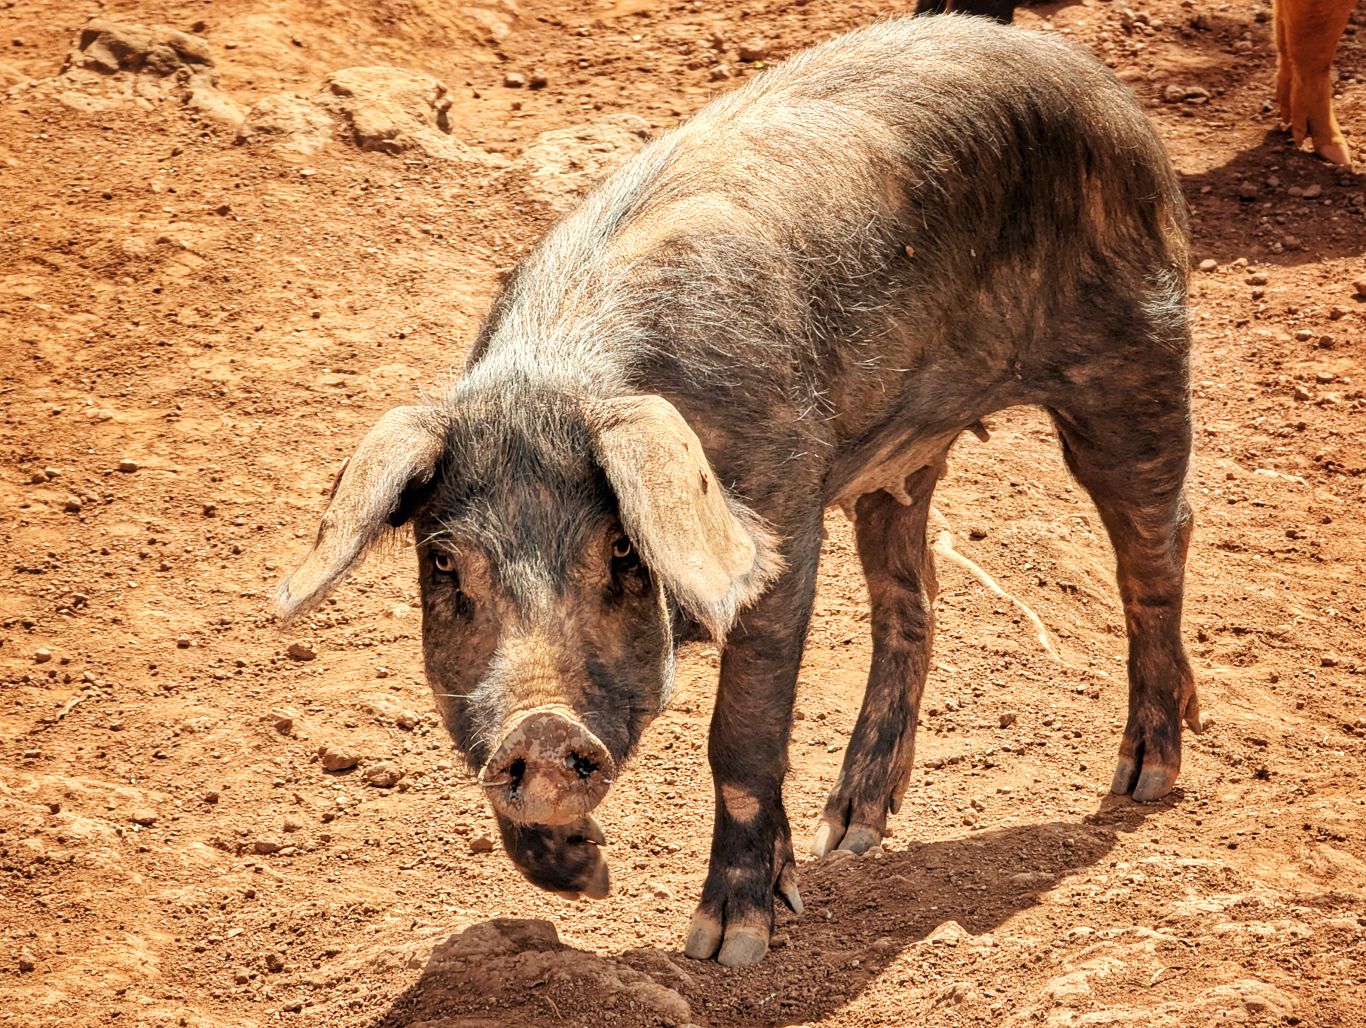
{"x": 549, "y": 769}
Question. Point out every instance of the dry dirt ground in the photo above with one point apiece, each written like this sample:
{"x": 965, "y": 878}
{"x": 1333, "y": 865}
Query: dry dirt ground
{"x": 200, "y": 315}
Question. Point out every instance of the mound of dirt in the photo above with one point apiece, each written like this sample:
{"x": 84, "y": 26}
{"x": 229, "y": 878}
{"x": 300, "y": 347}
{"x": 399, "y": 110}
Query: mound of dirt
{"x": 147, "y": 62}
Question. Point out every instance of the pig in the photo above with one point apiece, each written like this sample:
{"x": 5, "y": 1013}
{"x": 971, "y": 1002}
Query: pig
{"x": 796, "y": 300}
{"x": 1307, "y": 34}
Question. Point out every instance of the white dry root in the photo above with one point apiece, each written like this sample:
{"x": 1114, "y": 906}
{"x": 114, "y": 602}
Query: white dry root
{"x": 943, "y": 546}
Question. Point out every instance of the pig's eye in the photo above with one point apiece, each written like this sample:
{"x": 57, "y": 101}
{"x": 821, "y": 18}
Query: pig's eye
{"x": 443, "y": 562}
{"x": 624, "y": 556}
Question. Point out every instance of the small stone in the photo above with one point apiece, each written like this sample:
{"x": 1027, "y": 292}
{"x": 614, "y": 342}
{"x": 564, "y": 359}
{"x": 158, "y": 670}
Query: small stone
{"x": 144, "y": 817}
{"x": 1008, "y": 718}
{"x": 1302, "y": 394}
{"x": 1173, "y": 94}
{"x": 514, "y": 80}
{"x": 1328, "y": 660}
{"x": 1209, "y": 264}
{"x": 1359, "y": 286}
{"x": 1313, "y": 192}
{"x": 659, "y": 890}
{"x": 211, "y": 797}
{"x": 301, "y": 651}
{"x": 72, "y": 504}
{"x": 1257, "y": 278}
{"x": 1248, "y": 191}
{"x": 274, "y": 963}
{"x": 209, "y": 510}
{"x": 384, "y": 775}
{"x": 26, "y": 961}
{"x": 284, "y": 723}
{"x": 42, "y": 656}
{"x": 266, "y": 846}
{"x": 481, "y": 844}
{"x": 538, "y": 80}
{"x": 754, "y": 50}
{"x": 128, "y": 466}
{"x": 334, "y": 758}
{"x": 1303, "y": 335}
{"x": 718, "y": 73}
{"x": 183, "y": 643}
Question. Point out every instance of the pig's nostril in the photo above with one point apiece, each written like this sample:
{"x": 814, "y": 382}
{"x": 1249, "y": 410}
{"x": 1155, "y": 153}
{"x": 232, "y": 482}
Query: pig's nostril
{"x": 516, "y": 771}
{"x": 582, "y": 766}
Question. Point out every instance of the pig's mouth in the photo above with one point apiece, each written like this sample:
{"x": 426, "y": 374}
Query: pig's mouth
{"x": 559, "y": 858}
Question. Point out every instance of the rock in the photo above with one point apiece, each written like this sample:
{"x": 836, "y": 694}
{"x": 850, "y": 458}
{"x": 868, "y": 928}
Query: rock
{"x": 562, "y": 164}
{"x": 538, "y": 80}
{"x": 1257, "y": 278}
{"x": 148, "y": 62}
{"x": 128, "y": 466}
{"x": 266, "y": 846}
{"x": 481, "y": 844}
{"x": 289, "y": 122}
{"x": 718, "y": 73}
{"x": 212, "y": 797}
{"x": 1328, "y": 660}
{"x": 1313, "y": 192}
{"x": 301, "y": 651}
{"x": 1359, "y": 286}
{"x": 1302, "y": 394}
{"x": 659, "y": 890}
{"x": 26, "y": 960}
{"x": 143, "y": 816}
{"x": 394, "y": 111}
{"x": 336, "y": 758}
{"x": 1008, "y": 718}
{"x": 1209, "y": 264}
{"x": 950, "y": 933}
{"x": 384, "y": 775}
{"x": 274, "y": 963}
{"x": 753, "y": 50}
{"x": 283, "y": 722}
{"x": 514, "y": 80}
{"x": 42, "y": 656}
{"x": 72, "y": 504}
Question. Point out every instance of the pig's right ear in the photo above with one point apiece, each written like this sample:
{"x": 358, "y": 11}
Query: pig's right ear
{"x": 711, "y": 553}
{"x": 375, "y": 491}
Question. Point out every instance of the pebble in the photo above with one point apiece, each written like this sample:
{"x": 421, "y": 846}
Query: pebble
{"x": 335, "y": 758}
{"x": 1209, "y": 264}
{"x": 659, "y": 890}
{"x": 384, "y": 775}
{"x": 301, "y": 651}
{"x": 514, "y": 80}
{"x": 1302, "y": 394}
{"x": 1328, "y": 660}
{"x": 1360, "y": 286}
{"x": 1257, "y": 278}
{"x": 266, "y": 846}
{"x": 211, "y": 797}
{"x": 128, "y": 466}
{"x": 274, "y": 962}
{"x": 538, "y": 80}
{"x": 42, "y": 656}
{"x": 719, "y": 73}
{"x": 481, "y": 844}
{"x": 1008, "y": 718}
{"x": 144, "y": 817}
{"x": 1313, "y": 192}
{"x": 72, "y": 504}
{"x": 26, "y": 961}
{"x": 1304, "y": 335}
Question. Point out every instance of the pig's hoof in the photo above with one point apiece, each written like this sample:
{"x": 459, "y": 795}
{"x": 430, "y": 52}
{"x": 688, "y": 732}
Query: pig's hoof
{"x": 1150, "y": 783}
{"x": 856, "y": 838}
{"x": 1336, "y": 151}
{"x": 735, "y": 947}
{"x": 565, "y": 859}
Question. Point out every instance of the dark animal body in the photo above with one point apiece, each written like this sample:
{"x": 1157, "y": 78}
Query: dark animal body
{"x": 796, "y": 300}
{"x": 1001, "y": 10}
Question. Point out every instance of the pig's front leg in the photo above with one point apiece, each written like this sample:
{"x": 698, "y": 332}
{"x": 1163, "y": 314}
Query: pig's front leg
{"x": 751, "y": 849}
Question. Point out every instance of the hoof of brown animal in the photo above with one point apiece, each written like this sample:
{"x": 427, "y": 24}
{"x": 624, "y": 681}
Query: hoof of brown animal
{"x": 1146, "y": 784}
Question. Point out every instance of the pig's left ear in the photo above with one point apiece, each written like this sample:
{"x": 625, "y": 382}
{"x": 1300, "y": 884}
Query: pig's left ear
{"x": 375, "y": 490}
{"x": 711, "y": 553}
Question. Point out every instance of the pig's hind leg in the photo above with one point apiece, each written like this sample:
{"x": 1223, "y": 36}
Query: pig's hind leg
{"x": 899, "y": 567}
{"x": 1132, "y": 459}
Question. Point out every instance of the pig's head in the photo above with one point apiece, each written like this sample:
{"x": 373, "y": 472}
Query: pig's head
{"x": 555, "y": 539}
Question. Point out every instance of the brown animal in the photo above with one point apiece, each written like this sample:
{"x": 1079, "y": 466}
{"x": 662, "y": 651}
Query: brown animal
{"x": 796, "y": 300}
{"x": 1307, "y": 34}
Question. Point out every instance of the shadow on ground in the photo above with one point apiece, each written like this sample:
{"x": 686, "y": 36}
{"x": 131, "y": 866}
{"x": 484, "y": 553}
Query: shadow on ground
{"x": 861, "y": 913}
